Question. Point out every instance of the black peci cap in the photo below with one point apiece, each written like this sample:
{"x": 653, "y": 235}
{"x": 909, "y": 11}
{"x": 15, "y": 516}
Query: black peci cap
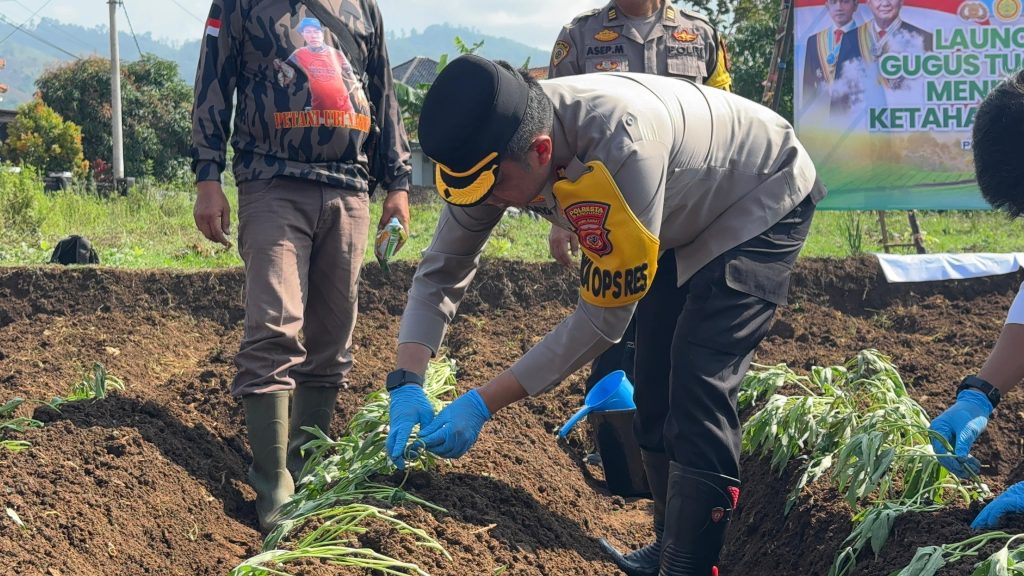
{"x": 469, "y": 116}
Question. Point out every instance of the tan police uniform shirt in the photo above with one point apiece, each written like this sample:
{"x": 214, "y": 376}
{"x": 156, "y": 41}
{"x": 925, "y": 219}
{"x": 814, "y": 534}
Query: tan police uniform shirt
{"x": 700, "y": 170}
{"x": 681, "y": 44}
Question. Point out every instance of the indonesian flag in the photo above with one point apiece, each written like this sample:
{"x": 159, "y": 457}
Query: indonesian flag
{"x": 213, "y": 27}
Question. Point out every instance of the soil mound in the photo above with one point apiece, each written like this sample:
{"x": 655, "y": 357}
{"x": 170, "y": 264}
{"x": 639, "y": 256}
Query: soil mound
{"x": 152, "y": 479}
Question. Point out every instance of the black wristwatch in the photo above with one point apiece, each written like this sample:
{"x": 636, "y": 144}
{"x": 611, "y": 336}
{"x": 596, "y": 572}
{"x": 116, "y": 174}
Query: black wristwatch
{"x": 400, "y": 377}
{"x": 972, "y": 382}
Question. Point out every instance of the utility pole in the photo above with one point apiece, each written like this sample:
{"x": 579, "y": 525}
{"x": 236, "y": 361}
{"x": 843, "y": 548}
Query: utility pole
{"x": 115, "y": 95}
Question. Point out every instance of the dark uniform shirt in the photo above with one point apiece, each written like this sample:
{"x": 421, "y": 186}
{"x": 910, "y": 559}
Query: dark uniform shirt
{"x": 681, "y": 43}
{"x": 299, "y": 110}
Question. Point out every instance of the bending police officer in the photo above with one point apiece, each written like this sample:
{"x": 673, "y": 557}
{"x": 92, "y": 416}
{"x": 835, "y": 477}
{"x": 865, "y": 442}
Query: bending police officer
{"x": 690, "y": 205}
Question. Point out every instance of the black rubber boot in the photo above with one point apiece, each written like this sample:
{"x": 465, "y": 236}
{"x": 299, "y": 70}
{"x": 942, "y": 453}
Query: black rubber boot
{"x": 266, "y": 419}
{"x": 646, "y": 560}
{"x": 697, "y": 512}
{"x": 311, "y": 406}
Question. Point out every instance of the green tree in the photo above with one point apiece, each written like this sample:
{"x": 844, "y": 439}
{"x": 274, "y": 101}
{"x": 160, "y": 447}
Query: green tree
{"x": 717, "y": 11}
{"x": 751, "y": 45}
{"x": 156, "y": 111}
{"x": 39, "y": 137}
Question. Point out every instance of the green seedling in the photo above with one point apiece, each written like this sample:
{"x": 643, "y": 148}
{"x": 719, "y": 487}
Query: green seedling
{"x": 336, "y": 494}
{"x": 11, "y": 424}
{"x": 96, "y": 385}
{"x": 856, "y": 425}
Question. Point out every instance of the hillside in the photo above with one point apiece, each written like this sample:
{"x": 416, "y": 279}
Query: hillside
{"x": 27, "y": 56}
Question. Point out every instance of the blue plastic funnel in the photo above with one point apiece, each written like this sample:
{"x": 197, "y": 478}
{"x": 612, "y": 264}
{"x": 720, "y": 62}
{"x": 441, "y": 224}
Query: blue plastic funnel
{"x": 613, "y": 392}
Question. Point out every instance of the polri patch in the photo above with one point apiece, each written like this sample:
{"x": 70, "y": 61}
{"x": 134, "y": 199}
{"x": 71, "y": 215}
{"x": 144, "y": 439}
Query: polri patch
{"x": 606, "y": 35}
{"x": 559, "y": 53}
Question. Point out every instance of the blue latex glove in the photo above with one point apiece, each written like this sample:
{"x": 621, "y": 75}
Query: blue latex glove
{"x": 455, "y": 429}
{"x": 408, "y": 407}
{"x": 1008, "y": 502}
{"x": 960, "y": 425}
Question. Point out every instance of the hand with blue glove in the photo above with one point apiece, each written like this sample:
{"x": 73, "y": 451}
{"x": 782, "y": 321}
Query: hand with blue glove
{"x": 408, "y": 407}
{"x": 1009, "y": 502}
{"x": 960, "y": 425}
{"x": 456, "y": 428}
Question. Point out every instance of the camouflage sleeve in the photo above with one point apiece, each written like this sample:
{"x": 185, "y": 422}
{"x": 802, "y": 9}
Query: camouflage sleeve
{"x": 395, "y": 171}
{"x": 718, "y": 66}
{"x": 214, "y": 89}
{"x": 563, "y": 55}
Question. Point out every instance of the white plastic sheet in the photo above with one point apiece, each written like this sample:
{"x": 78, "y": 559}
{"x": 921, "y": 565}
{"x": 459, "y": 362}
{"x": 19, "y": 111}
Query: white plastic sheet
{"x": 931, "y": 267}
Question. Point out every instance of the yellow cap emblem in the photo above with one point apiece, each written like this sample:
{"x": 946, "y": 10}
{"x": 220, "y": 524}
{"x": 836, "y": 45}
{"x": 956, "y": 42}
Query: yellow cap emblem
{"x": 606, "y": 35}
{"x": 467, "y": 188}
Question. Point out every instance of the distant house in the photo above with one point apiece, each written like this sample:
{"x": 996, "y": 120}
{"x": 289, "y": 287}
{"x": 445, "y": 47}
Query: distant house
{"x": 422, "y": 167}
{"x": 419, "y": 70}
{"x": 6, "y": 117}
{"x": 413, "y": 73}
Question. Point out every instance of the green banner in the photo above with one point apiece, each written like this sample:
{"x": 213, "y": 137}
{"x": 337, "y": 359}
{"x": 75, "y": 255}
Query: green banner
{"x": 886, "y": 94}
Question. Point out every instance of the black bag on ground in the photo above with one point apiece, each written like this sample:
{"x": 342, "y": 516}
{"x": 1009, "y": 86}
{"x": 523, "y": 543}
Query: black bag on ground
{"x": 74, "y": 250}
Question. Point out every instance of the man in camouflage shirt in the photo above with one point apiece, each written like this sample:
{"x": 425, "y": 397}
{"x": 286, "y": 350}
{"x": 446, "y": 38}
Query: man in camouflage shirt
{"x": 654, "y": 37}
{"x": 303, "y": 106}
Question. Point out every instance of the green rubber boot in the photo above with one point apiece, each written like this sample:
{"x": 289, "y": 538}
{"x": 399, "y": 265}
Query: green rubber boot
{"x": 266, "y": 418}
{"x": 311, "y": 406}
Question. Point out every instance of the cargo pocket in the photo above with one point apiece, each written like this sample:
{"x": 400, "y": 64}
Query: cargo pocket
{"x": 766, "y": 280}
{"x": 688, "y": 67}
{"x": 731, "y": 308}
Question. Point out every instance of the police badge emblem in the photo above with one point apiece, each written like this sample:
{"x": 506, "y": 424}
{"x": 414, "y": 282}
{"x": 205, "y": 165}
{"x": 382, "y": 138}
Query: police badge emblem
{"x": 559, "y": 53}
{"x": 684, "y": 36}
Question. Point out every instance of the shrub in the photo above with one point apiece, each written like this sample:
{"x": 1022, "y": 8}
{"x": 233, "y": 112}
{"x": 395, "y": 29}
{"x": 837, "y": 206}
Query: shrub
{"x": 39, "y": 137}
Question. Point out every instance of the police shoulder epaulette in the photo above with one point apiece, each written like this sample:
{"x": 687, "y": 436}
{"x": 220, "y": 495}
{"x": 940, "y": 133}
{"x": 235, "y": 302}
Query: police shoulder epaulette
{"x": 696, "y": 15}
{"x": 582, "y": 16}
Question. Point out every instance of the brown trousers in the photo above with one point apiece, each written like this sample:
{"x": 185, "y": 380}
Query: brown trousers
{"x": 302, "y": 243}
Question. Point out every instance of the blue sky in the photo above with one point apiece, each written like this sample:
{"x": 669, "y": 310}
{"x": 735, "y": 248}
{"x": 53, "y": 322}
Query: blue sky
{"x": 533, "y": 22}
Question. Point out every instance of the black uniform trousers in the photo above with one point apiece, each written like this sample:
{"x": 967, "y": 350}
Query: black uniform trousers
{"x": 694, "y": 343}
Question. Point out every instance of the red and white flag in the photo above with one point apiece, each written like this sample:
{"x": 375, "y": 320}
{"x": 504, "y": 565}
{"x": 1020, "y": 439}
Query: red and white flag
{"x": 212, "y": 27}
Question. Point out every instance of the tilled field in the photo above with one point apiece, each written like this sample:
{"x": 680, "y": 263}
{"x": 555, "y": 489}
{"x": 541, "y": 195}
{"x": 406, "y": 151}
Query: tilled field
{"x": 152, "y": 479}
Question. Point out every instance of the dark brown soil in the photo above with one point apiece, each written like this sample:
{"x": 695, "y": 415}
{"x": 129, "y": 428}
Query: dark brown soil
{"x": 152, "y": 479}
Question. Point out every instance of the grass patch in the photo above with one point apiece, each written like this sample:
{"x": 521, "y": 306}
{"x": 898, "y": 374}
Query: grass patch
{"x": 152, "y": 227}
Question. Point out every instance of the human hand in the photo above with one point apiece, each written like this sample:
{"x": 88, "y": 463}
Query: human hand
{"x": 285, "y": 73}
{"x": 1009, "y": 502}
{"x": 407, "y": 407}
{"x": 960, "y": 425}
{"x": 560, "y": 243}
{"x": 396, "y": 205}
{"x": 212, "y": 212}
{"x": 456, "y": 428}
